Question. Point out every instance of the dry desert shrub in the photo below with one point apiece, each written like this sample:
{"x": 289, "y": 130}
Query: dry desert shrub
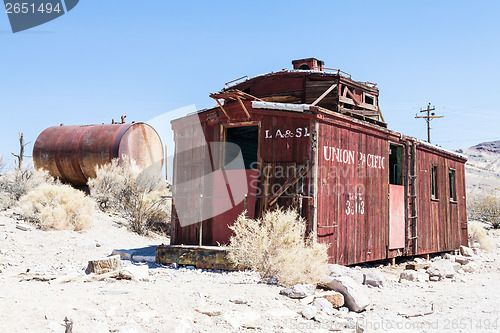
{"x": 58, "y": 207}
{"x": 138, "y": 195}
{"x": 484, "y": 207}
{"x": 478, "y": 233}
{"x": 15, "y": 184}
{"x": 277, "y": 246}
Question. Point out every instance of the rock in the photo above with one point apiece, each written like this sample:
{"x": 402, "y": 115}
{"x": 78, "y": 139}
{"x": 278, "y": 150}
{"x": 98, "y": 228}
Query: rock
{"x": 374, "y": 279}
{"x": 309, "y": 312}
{"x": 138, "y": 272}
{"x": 354, "y": 297}
{"x": 324, "y": 305}
{"x": 466, "y": 251}
{"x": 124, "y": 254}
{"x": 299, "y": 291}
{"x": 238, "y": 300}
{"x": 415, "y": 276}
{"x": 463, "y": 260}
{"x": 307, "y": 300}
{"x": 243, "y": 319}
{"x": 339, "y": 270}
{"x": 470, "y": 267}
{"x": 336, "y": 298}
{"x": 209, "y": 312}
{"x": 105, "y": 265}
{"x": 141, "y": 258}
{"x": 434, "y": 278}
{"x": 272, "y": 281}
{"x": 24, "y": 227}
{"x": 448, "y": 256}
{"x": 442, "y": 269}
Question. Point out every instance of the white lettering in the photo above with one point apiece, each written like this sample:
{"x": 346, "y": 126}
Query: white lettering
{"x": 325, "y": 150}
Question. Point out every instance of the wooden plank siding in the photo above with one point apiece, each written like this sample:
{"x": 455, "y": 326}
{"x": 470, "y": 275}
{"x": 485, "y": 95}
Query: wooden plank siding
{"x": 442, "y": 222}
{"x": 350, "y": 197}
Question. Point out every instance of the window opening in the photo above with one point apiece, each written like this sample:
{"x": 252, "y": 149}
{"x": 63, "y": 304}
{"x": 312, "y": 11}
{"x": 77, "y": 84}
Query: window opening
{"x": 396, "y": 165}
{"x": 434, "y": 182}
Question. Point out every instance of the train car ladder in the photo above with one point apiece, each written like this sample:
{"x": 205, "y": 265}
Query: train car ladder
{"x": 412, "y": 200}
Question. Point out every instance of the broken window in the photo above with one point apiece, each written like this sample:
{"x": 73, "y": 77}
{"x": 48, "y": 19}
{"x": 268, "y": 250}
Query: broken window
{"x": 396, "y": 165}
{"x": 453, "y": 185}
{"x": 369, "y": 99}
{"x": 434, "y": 182}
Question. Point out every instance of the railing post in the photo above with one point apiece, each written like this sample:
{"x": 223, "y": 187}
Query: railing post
{"x": 201, "y": 220}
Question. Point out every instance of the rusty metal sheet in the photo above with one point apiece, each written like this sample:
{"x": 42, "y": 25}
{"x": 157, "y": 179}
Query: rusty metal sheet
{"x": 206, "y": 257}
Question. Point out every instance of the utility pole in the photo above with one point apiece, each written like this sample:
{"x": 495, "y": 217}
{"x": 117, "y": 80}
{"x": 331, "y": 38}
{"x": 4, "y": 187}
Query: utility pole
{"x": 428, "y": 118}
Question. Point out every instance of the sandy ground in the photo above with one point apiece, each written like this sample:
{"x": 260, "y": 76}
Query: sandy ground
{"x": 192, "y": 300}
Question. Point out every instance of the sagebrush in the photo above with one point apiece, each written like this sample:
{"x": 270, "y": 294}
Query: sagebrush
{"x": 15, "y": 184}
{"x": 277, "y": 246}
{"x": 136, "y": 194}
{"x": 484, "y": 207}
{"x": 57, "y": 207}
{"x": 478, "y": 233}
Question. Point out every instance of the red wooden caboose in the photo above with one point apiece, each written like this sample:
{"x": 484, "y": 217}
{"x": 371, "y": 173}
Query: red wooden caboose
{"x": 314, "y": 139}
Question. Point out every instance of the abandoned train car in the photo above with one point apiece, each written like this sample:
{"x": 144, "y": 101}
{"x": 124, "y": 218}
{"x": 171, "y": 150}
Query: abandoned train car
{"x": 315, "y": 139}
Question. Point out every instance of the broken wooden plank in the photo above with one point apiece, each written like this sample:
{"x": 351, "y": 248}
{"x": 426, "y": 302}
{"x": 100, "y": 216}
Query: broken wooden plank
{"x": 333, "y": 86}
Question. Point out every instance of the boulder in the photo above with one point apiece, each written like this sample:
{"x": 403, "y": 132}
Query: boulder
{"x": 138, "y": 272}
{"x": 298, "y": 291}
{"x": 466, "y": 251}
{"x": 309, "y": 312}
{"x": 463, "y": 260}
{"x": 441, "y": 269}
{"x": 415, "y": 276}
{"x": 339, "y": 270}
{"x": 272, "y": 281}
{"x": 470, "y": 267}
{"x": 373, "y": 279}
{"x": 336, "y": 298}
{"x": 105, "y": 265}
{"x": 354, "y": 297}
{"x": 324, "y": 305}
{"x": 124, "y": 254}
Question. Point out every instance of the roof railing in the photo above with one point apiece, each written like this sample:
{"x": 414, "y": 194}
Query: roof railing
{"x": 246, "y": 76}
{"x": 338, "y": 71}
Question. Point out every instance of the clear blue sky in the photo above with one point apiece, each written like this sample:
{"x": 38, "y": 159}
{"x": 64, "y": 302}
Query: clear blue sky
{"x": 144, "y": 58}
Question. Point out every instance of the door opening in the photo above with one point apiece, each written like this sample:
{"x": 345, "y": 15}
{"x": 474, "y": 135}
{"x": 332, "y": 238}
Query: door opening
{"x": 247, "y": 139}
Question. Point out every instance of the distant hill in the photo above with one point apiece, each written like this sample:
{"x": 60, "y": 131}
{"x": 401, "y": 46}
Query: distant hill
{"x": 483, "y": 167}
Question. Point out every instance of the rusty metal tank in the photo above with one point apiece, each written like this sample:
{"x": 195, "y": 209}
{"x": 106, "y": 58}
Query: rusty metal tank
{"x": 72, "y": 153}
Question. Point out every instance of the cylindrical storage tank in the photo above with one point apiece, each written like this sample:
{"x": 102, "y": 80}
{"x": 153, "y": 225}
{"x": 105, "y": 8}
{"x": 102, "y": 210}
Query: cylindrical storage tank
{"x": 72, "y": 153}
